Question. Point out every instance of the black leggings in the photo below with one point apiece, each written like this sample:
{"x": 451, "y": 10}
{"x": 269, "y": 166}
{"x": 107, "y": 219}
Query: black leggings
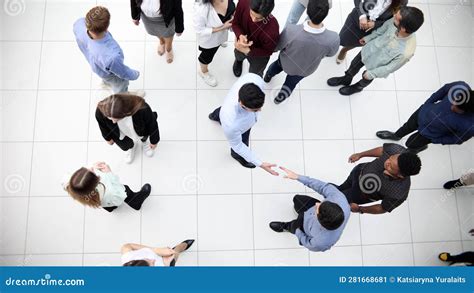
{"x": 207, "y": 55}
{"x": 133, "y": 199}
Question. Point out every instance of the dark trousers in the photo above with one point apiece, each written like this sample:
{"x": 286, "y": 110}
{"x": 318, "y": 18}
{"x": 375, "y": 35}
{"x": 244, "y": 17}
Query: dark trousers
{"x": 257, "y": 64}
{"x": 467, "y": 257}
{"x": 245, "y": 136}
{"x": 127, "y": 143}
{"x": 301, "y": 203}
{"x": 351, "y": 187}
{"x": 133, "y": 199}
{"x": 291, "y": 81}
{"x": 356, "y": 66}
{"x": 416, "y": 140}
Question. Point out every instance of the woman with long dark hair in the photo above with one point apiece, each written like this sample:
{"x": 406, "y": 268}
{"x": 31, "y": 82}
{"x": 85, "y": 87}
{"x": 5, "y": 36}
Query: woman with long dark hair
{"x": 212, "y": 21}
{"x": 125, "y": 119}
{"x": 367, "y": 16}
{"x": 98, "y": 187}
{"x": 162, "y": 18}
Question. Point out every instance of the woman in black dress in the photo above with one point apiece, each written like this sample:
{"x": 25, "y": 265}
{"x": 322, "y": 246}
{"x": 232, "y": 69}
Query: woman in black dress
{"x": 366, "y": 16}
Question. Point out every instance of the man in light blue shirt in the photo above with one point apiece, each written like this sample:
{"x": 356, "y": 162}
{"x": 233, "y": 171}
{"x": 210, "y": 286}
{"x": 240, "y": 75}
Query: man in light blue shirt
{"x": 319, "y": 224}
{"x": 237, "y": 116}
{"x": 385, "y": 51}
{"x": 101, "y": 50}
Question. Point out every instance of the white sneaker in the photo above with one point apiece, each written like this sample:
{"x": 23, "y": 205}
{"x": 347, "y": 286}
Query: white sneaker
{"x": 208, "y": 78}
{"x": 149, "y": 152}
{"x": 224, "y": 45}
{"x": 130, "y": 155}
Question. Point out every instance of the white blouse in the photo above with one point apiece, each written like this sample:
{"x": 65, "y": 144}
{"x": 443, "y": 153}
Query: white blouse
{"x": 205, "y": 19}
{"x": 144, "y": 253}
{"x": 126, "y": 129}
{"x": 151, "y": 8}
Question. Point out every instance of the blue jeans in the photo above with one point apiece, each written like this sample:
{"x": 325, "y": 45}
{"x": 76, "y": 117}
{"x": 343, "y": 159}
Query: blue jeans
{"x": 117, "y": 84}
{"x": 296, "y": 11}
{"x": 291, "y": 81}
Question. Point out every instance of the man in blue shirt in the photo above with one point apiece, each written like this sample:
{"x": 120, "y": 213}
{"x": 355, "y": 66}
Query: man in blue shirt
{"x": 319, "y": 224}
{"x": 447, "y": 117}
{"x": 238, "y": 115}
{"x": 101, "y": 50}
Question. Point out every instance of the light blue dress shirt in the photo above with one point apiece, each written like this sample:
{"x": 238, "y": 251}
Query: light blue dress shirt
{"x": 104, "y": 56}
{"x": 235, "y": 120}
{"x": 316, "y": 237}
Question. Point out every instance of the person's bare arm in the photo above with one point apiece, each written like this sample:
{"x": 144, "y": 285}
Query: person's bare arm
{"x": 376, "y": 153}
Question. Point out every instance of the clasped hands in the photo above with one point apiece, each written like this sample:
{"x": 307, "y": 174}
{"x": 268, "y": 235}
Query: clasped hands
{"x": 242, "y": 44}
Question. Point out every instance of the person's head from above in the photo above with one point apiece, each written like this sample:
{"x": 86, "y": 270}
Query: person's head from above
{"x": 261, "y": 9}
{"x": 251, "y": 97}
{"x": 408, "y": 19}
{"x": 462, "y": 100}
{"x": 82, "y": 186}
{"x": 98, "y": 20}
{"x": 118, "y": 106}
{"x": 317, "y": 11}
{"x": 140, "y": 263}
{"x": 330, "y": 215}
{"x": 402, "y": 165}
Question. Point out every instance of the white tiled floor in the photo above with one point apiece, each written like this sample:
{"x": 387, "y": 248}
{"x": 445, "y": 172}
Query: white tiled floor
{"x": 48, "y": 97}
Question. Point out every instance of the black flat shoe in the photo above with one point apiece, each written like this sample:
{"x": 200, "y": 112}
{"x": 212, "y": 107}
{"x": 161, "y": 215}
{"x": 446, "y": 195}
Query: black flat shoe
{"x": 341, "y": 80}
{"x": 237, "y": 68}
{"x": 452, "y": 184}
{"x": 350, "y": 90}
{"x": 267, "y": 78}
{"x": 242, "y": 161}
{"x": 211, "y": 117}
{"x": 385, "y": 134}
{"x": 278, "y": 226}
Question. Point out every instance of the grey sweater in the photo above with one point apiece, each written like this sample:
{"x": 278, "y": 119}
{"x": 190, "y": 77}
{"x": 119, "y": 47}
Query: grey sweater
{"x": 302, "y": 51}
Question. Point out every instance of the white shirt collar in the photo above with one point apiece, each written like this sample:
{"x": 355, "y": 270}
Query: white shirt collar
{"x": 312, "y": 29}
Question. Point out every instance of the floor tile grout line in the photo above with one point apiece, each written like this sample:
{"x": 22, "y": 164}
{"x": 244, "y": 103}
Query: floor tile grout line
{"x": 197, "y": 160}
{"x": 33, "y": 144}
{"x": 408, "y": 200}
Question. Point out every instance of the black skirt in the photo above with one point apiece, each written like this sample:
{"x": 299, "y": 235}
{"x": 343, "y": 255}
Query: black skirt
{"x": 351, "y": 33}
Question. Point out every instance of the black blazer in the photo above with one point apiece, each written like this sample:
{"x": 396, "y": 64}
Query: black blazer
{"x": 383, "y": 17}
{"x": 144, "y": 123}
{"x": 169, "y": 9}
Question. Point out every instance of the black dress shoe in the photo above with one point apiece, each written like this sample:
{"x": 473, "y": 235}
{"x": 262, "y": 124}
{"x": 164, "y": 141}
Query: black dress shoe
{"x": 237, "y": 68}
{"x": 342, "y": 80}
{"x": 242, "y": 161}
{"x": 213, "y": 118}
{"x": 418, "y": 150}
{"x": 385, "y": 134}
{"x": 452, "y": 184}
{"x": 350, "y": 90}
{"x": 280, "y": 98}
{"x": 146, "y": 190}
{"x": 267, "y": 78}
{"x": 278, "y": 226}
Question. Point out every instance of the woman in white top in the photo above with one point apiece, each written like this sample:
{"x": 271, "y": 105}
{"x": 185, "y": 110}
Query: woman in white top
{"x": 141, "y": 255}
{"x": 212, "y": 20}
{"x": 98, "y": 187}
{"x": 125, "y": 119}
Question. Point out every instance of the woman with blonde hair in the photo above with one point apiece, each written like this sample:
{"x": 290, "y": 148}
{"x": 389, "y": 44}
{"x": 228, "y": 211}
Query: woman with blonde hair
{"x": 98, "y": 187}
{"x": 134, "y": 255}
{"x": 124, "y": 119}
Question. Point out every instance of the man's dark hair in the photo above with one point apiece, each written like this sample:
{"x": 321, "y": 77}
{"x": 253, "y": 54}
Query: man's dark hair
{"x": 412, "y": 18}
{"x": 409, "y": 164}
{"x": 317, "y": 10}
{"x": 137, "y": 263}
{"x": 330, "y": 215}
{"x": 251, "y": 96}
{"x": 262, "y": 7}
{"x": 466, "y": 102}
